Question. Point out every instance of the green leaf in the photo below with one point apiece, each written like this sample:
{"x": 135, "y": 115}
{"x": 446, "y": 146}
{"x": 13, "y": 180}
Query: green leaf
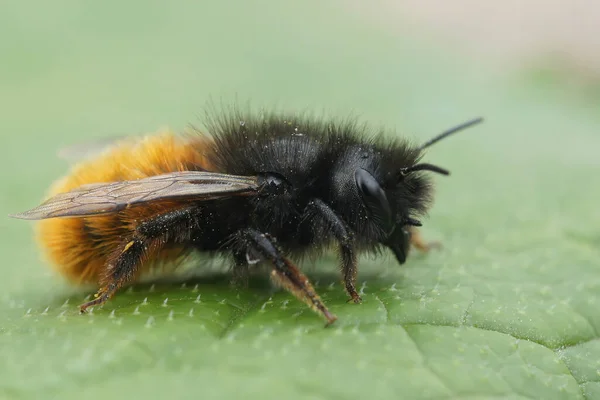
{"x": 508, "y": 308}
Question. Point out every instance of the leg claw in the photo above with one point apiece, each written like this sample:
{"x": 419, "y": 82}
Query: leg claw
{"x": 355, "y": 298}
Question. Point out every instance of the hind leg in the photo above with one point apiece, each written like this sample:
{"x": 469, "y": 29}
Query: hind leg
{"x": 149, "y": 237}
{"x": 121, "y": 271}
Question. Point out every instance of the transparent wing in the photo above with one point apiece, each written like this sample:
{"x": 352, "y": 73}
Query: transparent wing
{"x": 106, "y": 198}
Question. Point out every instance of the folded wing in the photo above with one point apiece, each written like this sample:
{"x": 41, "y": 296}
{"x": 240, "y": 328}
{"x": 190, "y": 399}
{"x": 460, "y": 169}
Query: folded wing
{"x": 107, "y": 198}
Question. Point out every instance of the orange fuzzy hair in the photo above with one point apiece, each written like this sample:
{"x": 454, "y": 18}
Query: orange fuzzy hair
{"x": 79, "y": 248}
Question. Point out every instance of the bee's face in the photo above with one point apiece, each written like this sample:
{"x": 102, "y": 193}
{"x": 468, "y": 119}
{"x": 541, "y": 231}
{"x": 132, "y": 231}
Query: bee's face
{"x": 377, "y": 199}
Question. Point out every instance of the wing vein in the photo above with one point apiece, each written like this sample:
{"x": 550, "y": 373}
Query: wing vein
{"x": 112, "y": 197}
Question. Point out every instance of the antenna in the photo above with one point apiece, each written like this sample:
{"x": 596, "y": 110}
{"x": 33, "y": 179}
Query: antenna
{"x": 435, "y": 168}
{"x": 425, "y": 167}
{"x": 450, "y": 131}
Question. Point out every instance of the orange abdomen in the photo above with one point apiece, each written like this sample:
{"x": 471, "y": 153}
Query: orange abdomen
{"x": 79, "y": 248}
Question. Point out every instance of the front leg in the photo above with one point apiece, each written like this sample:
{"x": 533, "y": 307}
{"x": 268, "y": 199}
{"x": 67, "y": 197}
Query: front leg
{"x": 257, "y": 246}
{"x": 319, "y": 209}
{"x": 416, "y": 239}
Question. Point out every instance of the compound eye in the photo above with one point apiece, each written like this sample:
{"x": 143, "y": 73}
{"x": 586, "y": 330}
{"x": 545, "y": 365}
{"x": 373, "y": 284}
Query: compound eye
{"x": 374, "y": 198}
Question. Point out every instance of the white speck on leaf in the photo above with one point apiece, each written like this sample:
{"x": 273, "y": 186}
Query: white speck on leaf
{"x": 362, "y": 288}
{"x": 262, "y": 308}
{"x": 149, "y": 322}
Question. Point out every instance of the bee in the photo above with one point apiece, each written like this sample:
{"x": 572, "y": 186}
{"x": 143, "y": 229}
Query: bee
{"x": 258, "y": 188}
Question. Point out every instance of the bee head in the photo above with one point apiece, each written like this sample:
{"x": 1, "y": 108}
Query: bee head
{"x": 394, "y": 207}
{"x": 393, "y": 197}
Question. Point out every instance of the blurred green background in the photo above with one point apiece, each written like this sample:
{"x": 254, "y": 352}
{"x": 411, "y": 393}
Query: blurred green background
{"x": 508, "y": 308}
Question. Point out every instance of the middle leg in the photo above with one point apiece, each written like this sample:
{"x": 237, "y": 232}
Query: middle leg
{"x": 257, "y": 246}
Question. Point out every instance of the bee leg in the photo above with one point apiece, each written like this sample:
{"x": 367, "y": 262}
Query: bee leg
{"x": 416, "y": 239}
{"x": 284, "y": 272}
{"x": 344, "y": 237}
{"x": 123, "y": 269}
{"x": 149, "y": 235}
{"x": 241, "y": 273}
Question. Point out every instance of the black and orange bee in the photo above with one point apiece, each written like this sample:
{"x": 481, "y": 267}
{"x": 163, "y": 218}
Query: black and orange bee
{"x": 260, "y": 188}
